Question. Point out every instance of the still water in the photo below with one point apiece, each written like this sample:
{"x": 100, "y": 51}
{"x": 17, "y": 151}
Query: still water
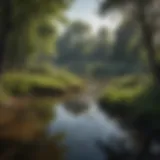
{"x": 82, "y": 132}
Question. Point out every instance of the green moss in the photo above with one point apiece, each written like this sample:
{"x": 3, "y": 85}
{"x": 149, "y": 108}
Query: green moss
{"x": 124, "y": 89}
{"x": 120, "y": 94}
{"x": 23, "y": 83}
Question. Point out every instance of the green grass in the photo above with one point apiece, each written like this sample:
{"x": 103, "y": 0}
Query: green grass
{"x": 22, "y": 83}
{"x": 120, "y": 97}
{"x": 125, "y": 88}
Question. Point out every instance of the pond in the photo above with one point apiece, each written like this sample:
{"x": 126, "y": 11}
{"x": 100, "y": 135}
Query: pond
{"x": 83, "y": 130}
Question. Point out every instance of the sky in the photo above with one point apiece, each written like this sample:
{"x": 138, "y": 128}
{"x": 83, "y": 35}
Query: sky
{"x": 86, "y": 10}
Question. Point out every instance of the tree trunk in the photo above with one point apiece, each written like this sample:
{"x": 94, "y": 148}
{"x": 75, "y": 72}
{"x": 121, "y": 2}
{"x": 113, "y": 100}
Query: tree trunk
{"x": 5, "y": 22}
{"x": 148, "y": 40}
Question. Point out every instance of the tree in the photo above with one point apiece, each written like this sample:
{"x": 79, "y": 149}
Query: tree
{"x": 75, "y": 46}
{"x": 101, "y": 51}
{"x": 86, "y": 53}
{"x": 19, "y": 17}
{"x": 127, "y": 47}
{"x": 144, "y": 14}
{"x": 143, "y": 11}
{"x": 25, "y": 43}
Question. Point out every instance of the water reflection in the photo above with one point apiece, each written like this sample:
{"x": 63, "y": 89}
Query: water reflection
{"x": 83, "y": 130}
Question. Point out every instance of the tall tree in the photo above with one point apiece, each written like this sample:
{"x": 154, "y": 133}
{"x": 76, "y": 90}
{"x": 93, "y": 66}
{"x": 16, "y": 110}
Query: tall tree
{"x": 127, "y": 46}
{"x": 143, "y": 11}
{"x": 17, "y": 14}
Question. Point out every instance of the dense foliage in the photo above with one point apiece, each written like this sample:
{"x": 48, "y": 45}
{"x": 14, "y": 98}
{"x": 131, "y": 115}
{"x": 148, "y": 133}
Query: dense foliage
{"x": 28, "y": 28}
{"x": 95, "y": 55}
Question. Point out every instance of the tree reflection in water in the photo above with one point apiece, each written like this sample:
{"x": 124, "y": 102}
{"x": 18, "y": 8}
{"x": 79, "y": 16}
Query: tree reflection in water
{"x": 22, "y": 131}
{"x": 85, "y": 129}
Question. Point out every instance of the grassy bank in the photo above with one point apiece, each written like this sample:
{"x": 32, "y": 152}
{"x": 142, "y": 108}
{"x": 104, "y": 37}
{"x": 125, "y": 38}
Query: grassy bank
{"x": 131, "y": 97}
{"x": 19, "y": 84}
{"x": 27, "y": 99}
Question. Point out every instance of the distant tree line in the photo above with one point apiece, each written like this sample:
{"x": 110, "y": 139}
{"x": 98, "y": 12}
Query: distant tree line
{"x": 86, "y": 53}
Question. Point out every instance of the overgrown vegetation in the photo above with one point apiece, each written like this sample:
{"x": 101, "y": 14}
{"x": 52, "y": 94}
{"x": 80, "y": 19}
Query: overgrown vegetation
{"x": 95, "y": 54}
{"x": 121, "y": 93}
{"x": 29, "y": 37}
{"x": 25, "y": 83}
